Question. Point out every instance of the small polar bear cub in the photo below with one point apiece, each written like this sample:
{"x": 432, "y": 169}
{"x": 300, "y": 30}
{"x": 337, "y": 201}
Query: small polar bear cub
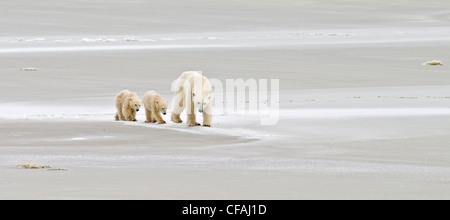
{"x": 192, "y": 91}
{"x": 127, "y": 104}
{"x": 155, "y": 105}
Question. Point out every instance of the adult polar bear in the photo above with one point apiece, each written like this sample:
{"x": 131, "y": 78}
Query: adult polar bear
{"x": 192, "y": 91}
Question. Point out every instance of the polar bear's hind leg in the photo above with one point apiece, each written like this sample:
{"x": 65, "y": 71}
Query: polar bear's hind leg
{"x": 191, "y": 119}
{"x": 176, "y": 118}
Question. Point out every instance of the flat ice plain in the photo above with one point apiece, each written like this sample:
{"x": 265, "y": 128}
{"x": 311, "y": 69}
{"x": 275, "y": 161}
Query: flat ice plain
{"x": 360, "y": 116}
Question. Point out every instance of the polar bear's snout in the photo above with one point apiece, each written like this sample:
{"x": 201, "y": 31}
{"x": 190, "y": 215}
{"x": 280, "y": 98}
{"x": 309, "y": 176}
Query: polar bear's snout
{"x": 163, "y": 110}
{"x": 200, "y": 110}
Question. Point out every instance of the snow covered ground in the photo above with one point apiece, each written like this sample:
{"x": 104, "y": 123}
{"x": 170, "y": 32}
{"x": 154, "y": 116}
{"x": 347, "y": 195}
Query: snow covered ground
{"x": 360, "y": 117}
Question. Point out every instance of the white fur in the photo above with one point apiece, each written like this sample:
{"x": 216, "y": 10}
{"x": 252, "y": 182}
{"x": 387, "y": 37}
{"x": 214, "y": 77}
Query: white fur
{"x": 193, "y": 93}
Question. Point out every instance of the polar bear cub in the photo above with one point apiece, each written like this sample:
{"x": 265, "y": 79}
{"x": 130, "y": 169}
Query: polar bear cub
{"x": 127, "y": 104}
{"x": 155, "y": 105}
{"x": 192, "y": 92}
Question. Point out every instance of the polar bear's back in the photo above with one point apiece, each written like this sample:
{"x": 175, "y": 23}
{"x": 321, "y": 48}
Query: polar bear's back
{"x": 148, "y": 99}
{"x": 191, "y": 78}
{"x": 120, "y": 98}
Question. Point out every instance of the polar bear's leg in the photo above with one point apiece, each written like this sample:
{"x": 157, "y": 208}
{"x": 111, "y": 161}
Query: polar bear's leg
{"x": 207, "y": 116}
{"x": 191, "y": 119}
{"x": 158, "y": 118}
{"x": 176, "y": 111}
{"x": 148, "y": 116}
{"x": 153, "y": 117}
{"x": 207, "y": 119}
{"x": 178, "y": 106}
{"x": 120, "y": 114}
{"x": 127, "y": 115}
{"x": 175, "y": 118}
{"x": 133, "y": 115}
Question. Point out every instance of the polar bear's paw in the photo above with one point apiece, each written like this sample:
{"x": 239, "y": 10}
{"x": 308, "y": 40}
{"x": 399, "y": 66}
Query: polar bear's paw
{"x": 192, "y": 124}
{"x": 176, "y": 118}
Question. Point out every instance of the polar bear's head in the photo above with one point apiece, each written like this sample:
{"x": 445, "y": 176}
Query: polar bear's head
{"x": 201, "y": 101}
{"x": 201, "y": 92}
{"x": 161, "y": 105}
{"x": 135, "y": 103}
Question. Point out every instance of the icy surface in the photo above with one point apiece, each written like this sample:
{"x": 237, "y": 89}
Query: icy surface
{"x": 360, "y": 117}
